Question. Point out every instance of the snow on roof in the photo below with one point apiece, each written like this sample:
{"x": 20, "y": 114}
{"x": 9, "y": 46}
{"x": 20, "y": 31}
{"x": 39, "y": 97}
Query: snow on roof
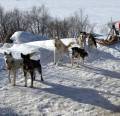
{"x": 23, "y": 37}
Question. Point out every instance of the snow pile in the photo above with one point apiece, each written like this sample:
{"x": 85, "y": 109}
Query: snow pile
{"x": 23, "y": 37}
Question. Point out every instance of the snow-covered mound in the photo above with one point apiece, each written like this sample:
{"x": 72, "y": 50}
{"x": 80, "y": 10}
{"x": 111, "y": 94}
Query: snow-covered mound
{"x": 23, "y": 37}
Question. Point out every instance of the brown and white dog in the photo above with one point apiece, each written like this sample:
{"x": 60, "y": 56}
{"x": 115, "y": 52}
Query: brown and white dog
{"x": 60, "y": 50}
{"x": 12, "y": 65}
{"x": 78, "y": 53}
{"x": 30, "y": 66}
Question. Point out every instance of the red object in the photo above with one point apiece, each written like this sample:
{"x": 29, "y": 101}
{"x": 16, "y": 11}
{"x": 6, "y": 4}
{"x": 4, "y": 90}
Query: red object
{"x": 117, "y": 25}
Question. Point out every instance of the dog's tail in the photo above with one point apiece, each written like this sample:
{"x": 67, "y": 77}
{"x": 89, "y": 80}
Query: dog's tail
{"x": 70, "y": 44}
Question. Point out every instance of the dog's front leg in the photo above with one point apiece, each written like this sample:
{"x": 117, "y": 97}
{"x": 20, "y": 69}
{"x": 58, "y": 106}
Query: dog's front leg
{"x": 41, "y": 74}
{"x": 32, "y": 78}
{"x": 78, "y": 62}
{"x": 34, "y": 75}
{"x": 55, "y": 56}
{"x": 25, "y": 75}
{"x": 9, "y": 76}
{"x": 60, "y": 58}
{"x": 72, "y": 60}
{"x": 14, "y": 78}
{"x": 83, "y": 61}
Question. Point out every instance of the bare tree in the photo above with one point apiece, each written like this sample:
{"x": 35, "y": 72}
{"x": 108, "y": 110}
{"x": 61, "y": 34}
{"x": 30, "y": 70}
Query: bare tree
{"x": 45, "y": 19}
{"x": 2, "y": 25}
{"x": 38, "y": 21}
{"x": 78, "y": 22}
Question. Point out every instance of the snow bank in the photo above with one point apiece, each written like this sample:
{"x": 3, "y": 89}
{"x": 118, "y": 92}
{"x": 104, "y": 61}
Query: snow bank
{"x": 23, "y": 37}
{"x": 49, "y": 44}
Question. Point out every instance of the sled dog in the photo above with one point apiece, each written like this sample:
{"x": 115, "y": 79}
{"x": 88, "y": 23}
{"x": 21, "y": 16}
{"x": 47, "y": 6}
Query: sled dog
{"x": 78, "y": 53}
{"x": 12, "y": 65}
{"x": 30, "y": 66}
{"x": 60, "y": 50}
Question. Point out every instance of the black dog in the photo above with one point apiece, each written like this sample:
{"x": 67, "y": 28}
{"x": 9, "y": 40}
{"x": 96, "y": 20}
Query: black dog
{"x": 30, "y": 66}
{"x": 78, "y": 53}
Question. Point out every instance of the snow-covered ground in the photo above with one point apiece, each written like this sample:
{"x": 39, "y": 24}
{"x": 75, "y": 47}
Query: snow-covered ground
{"x": 92, "y": 89}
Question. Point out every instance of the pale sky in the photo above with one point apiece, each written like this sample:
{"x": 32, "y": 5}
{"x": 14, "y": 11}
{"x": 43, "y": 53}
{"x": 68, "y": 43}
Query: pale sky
{"x": 98, "y": 11}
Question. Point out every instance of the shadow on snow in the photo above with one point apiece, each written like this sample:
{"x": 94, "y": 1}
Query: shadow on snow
{"x": 81, "y": 95}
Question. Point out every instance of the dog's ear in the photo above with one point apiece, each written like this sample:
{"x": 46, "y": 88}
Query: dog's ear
{"x": 5, "y": 53}
{"x": 22, "y": 55}
{"x": 10, "y": 54}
